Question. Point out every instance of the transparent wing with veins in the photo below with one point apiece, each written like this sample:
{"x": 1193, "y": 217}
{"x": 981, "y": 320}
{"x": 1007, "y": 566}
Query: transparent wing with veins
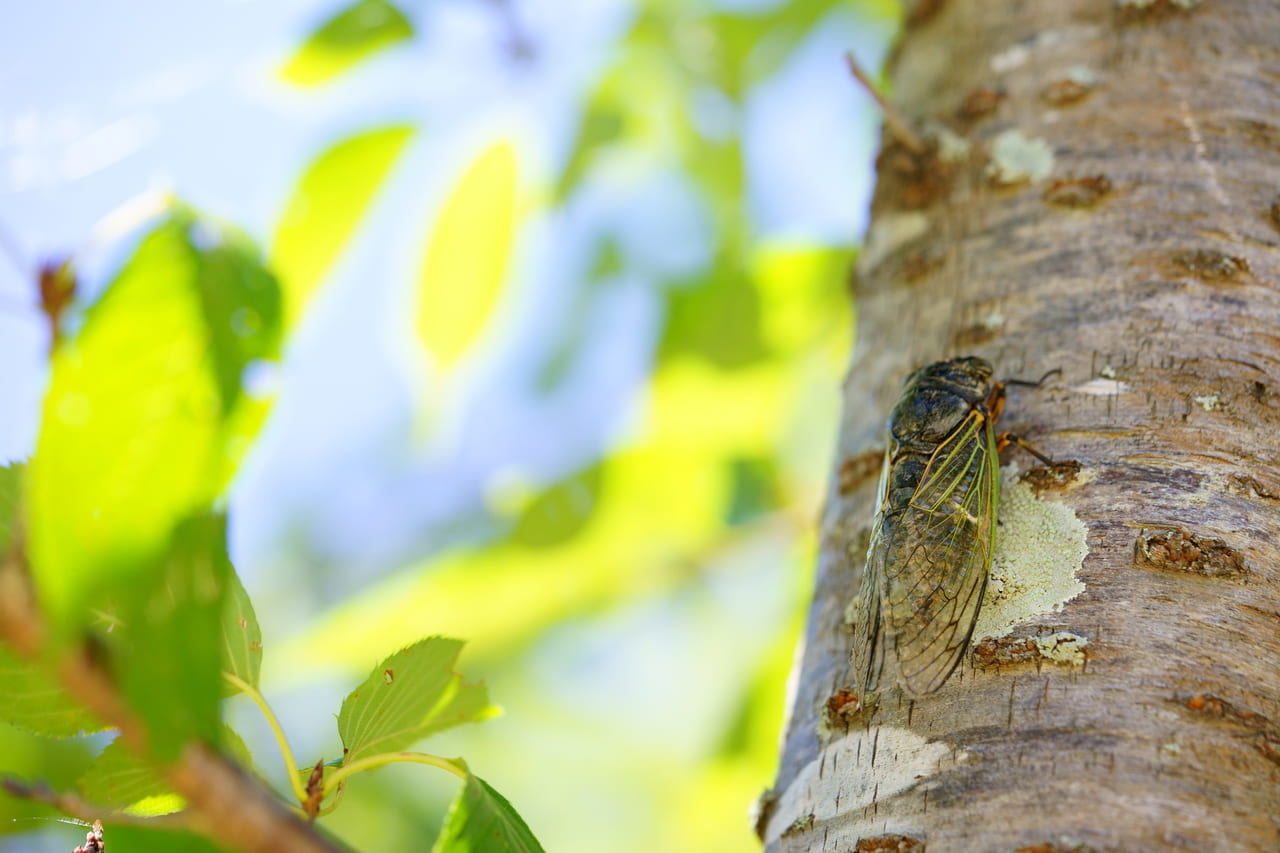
{"x": 937, "y": 556}
{"x": 868, "y": 640}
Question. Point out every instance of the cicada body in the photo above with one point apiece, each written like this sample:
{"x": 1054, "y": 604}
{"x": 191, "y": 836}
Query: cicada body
{"x": 934, "y": 533}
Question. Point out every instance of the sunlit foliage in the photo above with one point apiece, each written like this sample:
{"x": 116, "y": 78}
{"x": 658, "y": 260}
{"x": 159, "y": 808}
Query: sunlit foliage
{"x": 631, "y": 592}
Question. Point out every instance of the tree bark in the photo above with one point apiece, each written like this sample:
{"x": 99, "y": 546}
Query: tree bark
{"x": 1143, "y": 265}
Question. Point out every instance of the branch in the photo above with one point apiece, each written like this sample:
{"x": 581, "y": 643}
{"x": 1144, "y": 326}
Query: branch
{"x": 898, "y": 125}
{"x": 224, "y": 802}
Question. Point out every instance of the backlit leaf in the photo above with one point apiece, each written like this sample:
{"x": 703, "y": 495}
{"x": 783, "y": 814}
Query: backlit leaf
{"x": 561, "y": 511}
{"x": 352, "y": 35}
{"x": 468, "y": 256}
{"x": 119, "y": 780}
{"x": 240, "y": 302}
{"x": 170, "y": 646}
{"x": 326, "y": 206}
{"x": 408, "y": 696}
{"x": 241, "y": 636}
{"x": 122, "y": 782}
{"x": 32, "y": 699}
{"x": 717, "y": 319}
{"x": 154, "y": 839}
{"x": 129, "y": 439}
{"x": 482, "y": 821}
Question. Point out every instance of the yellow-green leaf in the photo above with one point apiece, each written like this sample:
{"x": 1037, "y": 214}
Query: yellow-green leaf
{"x": 327, "y": 205}
{"x": 241, "y": 636}
{"x": 468, "y": 256}
{"x": 129, "y": 442}
{"x": 32, "y": 699}
{"x": 482, "y": 821}
{"x": 352, "y": 35}
{"x": 410, "y": 695}
{"x": 121, "y": 781}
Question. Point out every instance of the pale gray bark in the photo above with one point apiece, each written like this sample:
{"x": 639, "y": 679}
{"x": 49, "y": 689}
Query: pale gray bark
{"x": 1144, "y": 265}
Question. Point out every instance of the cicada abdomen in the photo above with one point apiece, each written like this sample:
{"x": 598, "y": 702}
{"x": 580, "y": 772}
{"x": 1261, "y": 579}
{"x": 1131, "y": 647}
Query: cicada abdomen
{"x": 934, "y": 532}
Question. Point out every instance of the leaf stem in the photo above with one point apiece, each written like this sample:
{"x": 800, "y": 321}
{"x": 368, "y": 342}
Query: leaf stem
{"x": 456, "y": 766}
{"x": 295, "y": 781}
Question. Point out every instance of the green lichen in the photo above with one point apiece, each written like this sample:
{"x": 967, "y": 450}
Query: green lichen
{"x": 1081, "y": 75}
{"x": 1016, "y": 158}
{"x": 1062, "y": 647}
{"x": 1040, "y": 546}
{"x": 1209, "y": 402}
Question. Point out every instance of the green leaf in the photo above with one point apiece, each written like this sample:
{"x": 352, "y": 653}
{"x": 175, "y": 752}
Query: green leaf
{"x": 561, "y": 511}
{"x": 32, "y": 699}
{"x": 352, "y": 35}
{"x": 467, "y": 257}
{"x": 241, "y": 637}
{"x": 149, "y": 839}
{"x": 135, "y": 433}
{"x": 120, "y": 781}
{"x": 717, "y": 319}
{"x": 170, "y": 648}
{"x": 10, "y": 490}
{"x": 602, "y": 125}
{"x": 241, "y": 305}
{"x": 482, "y": 821}
{"x": 754, "y": 491}
{"x": 412, "y": 694}
{"x": 327, "y": 204}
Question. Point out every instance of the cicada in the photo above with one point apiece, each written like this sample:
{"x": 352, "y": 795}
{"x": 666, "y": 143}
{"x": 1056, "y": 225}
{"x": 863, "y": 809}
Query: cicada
{"x": 934, "y": 532}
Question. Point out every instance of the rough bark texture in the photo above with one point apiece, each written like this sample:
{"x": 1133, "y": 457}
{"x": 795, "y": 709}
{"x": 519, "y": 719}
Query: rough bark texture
{"x": 1145, "y": 267}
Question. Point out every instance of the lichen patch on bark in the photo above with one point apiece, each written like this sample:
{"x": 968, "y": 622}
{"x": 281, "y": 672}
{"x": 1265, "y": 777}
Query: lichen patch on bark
{"x": 1040, "y": 546}
{"x": 1016, "y": 158}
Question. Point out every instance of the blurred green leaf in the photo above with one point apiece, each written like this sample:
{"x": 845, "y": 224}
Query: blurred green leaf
{"x": 32, "y": 699}
{"x": 717, "y": 319}
{"x": 468, "y": 255}
{"x": 561, "y": 511}
{"x": 412, "y": 694}
{"x": 482, "y": 821}
{"x": 170, "y": 649}
{"x": 326, "y": 206}
{"x": 140, "y": 839}
{"x": 129, "y": 439}
{"x": 10, "y": 492}
{"x": 351, "y": 36}
{"x": 241, "y": 636}
{"x": 754, "y": 489}
{"x": 241, "y": 306}
{"x": 120, "y": 781}
{"x": 602, "y": 124}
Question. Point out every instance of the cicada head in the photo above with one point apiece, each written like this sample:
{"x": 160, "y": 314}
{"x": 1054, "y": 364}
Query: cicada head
{"x": 936, "y": 398}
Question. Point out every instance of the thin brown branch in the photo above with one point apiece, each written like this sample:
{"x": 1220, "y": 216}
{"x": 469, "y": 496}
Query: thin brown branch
{"x": 898, "y": 125}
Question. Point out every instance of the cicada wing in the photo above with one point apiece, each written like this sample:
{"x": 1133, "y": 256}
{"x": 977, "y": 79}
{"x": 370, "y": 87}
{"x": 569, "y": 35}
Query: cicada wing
{"x": 939, "y": 557}
{"x": 868, "y": 630}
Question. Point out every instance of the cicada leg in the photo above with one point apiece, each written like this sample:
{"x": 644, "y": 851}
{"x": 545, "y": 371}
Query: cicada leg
{"x": 995, "y": 407}
{"x": 1005, "y": 439}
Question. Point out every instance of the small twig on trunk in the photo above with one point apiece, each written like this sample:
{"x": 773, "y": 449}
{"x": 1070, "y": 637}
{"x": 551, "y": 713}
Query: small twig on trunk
{"x": 897, "y": 123}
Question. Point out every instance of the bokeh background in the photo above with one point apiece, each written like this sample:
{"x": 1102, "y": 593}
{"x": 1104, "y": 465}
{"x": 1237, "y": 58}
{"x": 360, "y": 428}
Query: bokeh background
{"x": 566, "y": 386}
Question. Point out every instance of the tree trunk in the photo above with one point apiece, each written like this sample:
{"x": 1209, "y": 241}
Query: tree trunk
{"x": 1141, "y": 712}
